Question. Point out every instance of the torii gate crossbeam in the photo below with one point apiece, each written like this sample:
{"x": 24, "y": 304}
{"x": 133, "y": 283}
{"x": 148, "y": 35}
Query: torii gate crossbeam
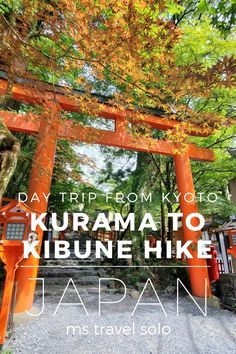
{"x": 75, "y": 131}
{"x": 53, "y": 128}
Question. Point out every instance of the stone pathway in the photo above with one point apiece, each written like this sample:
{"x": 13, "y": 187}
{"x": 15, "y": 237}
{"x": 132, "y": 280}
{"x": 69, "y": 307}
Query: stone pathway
{"x": 70, "y": 331}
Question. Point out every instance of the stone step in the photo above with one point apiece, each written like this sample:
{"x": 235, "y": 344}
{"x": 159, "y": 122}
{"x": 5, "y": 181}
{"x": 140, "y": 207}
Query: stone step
{"x": 72, "y": 256}
{"x": 69, "y": 262}
{"x": 70, "y": 265}
{"x": 65, "y": 272}
{"x": 79, "y": 280}
{"x": 57, "y": 290}
{"x": 84, "y": 272}
{"x": 89, "y": 280}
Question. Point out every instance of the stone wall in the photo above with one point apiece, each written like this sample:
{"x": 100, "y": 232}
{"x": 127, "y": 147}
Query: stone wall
{"x": 228, "y": 289}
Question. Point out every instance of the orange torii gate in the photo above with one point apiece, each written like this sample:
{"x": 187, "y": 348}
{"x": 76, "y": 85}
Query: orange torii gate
{"x": 50, "y": 129}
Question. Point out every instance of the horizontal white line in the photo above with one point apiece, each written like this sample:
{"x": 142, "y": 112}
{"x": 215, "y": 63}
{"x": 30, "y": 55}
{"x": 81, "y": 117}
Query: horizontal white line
{"x": 119, "y": 266}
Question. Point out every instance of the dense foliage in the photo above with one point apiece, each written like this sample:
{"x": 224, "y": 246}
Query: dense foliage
{"x": 177, "y": 57}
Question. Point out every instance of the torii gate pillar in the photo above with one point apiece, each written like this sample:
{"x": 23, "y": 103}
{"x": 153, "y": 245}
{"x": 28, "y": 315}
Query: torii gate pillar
{"x": 198, "y": 271}
{"x": 40, "y": 182}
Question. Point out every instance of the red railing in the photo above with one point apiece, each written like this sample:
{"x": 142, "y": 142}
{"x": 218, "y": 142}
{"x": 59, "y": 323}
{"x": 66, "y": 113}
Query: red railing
{"x": 104, "y": 235}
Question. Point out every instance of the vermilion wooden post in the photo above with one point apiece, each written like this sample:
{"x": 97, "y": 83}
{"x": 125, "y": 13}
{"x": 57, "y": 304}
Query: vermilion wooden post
{"x": 198, "y": 271}
{"x": 40, "y": 183}
{"x": 11, "y": 257}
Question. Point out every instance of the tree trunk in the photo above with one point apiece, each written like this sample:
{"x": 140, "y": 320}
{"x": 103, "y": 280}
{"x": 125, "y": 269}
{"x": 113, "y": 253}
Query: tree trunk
{"x": 170, "y": 224}
{"x": 9, "y": 150}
